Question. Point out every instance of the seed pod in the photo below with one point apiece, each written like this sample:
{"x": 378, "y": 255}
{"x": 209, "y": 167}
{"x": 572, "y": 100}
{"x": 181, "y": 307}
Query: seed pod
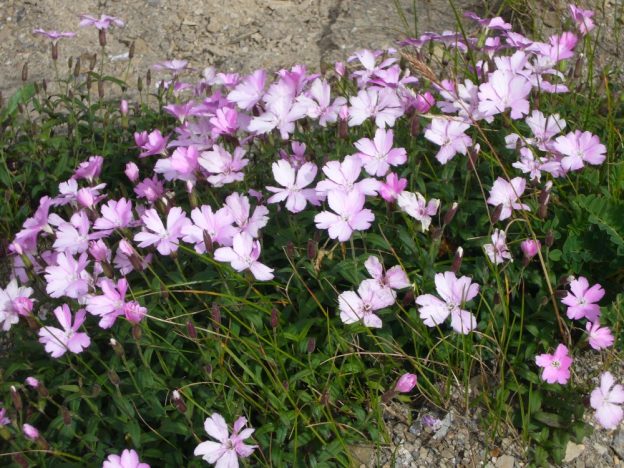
{"x": 215, "y": 312}
{"x": 102, "y": 37}
{"x": 274, "y": 318}
{"x": 37, "y": 88}
{"x": 148, "y": 78}
{"x": 131, "y": 51}
{"x": 343, "y": 129}
{"x": 96, "y": 390}
{"x": 140, "y": 84}
{"x": 117, "y": 347}
{"x": 290, "y": 250}
{"x": 324, "y": 399}
{"x": 311, "y": 345}
{"x": 408, "y": 299}
{"x": 44, "y": 85}
{"x": 497, "y": 212}
{"x": 114, "y": 377}
{"x": 137, "y": 332}
{"x": 66, "y": 416}
{"x": 311, "y": 249}
{"x": 92, "y": 61}
{"x": 70, "y": 62}
{"x": 1, "y": 100}
{"x": 436, "y": 233}
{"x": 54, "y": 51}
{"x": 285, "y": 385}
{"x": 100, "y": 89}
{"x": 77, "y": 68}
{"x": 550, "y": 239}
{"x": 25, "y": 72}
{"x": 190, "y": 329}
{"x": 415, "y": 125}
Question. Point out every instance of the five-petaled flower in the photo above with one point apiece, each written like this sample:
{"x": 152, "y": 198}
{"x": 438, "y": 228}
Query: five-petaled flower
{"x": 556, "y": 367}
{"x": 225, "y": 452}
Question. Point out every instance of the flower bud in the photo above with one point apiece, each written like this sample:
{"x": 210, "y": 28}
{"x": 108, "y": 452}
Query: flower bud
{"x": 274, "y": 318}
{"x": 25, "y": 72}
{"x": 67, "y": 419}
{"x": 450, "y": 214}
{"x": 530, "y": 248}
{"x": 415, "y": 125}
{"x": 215, "y": 312}
{"x": 497, "y": 213}
{"x": 408, "y": 299}
{"x": 406, "y": 383}
{"x": 116, "y": 345}
{"x": 207, "y": 241}
{"x": 311, "y": 249}
{"x": 32, "y": 382}
{"x": 85, "y": 198}
{"x": 102, "y": 37}
{"x": 290, "y": 250}
{"x": 550, "y": 239}
{"x": 17, "y": 399}
{"x": 23, "y": 306}
{"x": 457, "y": 260}
{"x": 190, "y": 329}
{"x": 340, "y": 69}
{"x": 311, "y": 345}
{"x": 123, "y": 107}
{"x": 134, "y": 312}
{"x": 30, "y": 432}
{"x": 178, "y": 401}
{"x": 131, "y": 51}
{"x": 100, "y": 88}
{"x": 114, "y": 377}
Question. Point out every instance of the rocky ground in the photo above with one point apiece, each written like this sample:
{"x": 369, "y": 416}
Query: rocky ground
{"x": 243, "y": 35}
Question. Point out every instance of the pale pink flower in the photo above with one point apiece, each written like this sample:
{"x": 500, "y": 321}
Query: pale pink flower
{"x": 505, "y": 90}
{"x": 578, "y": 148}
{"x": 57, "y": 341}
{"x": 127, "y": 459}
{"x": 544, "y": 128}
{"x": 68, "y": 277}
{"x": 182, "y": 164}
{"x": 450, "y": 136}
{"x": 27, "y": 237}
{"x": 530, "y": 248}
{"x": 32, "y": 382}
{"x": 102, "y": 23}
{"x": 294, "y": 185}
{"x": 368, "y": 60}
{"x": 406, "y": 383}
{"x": 175, "y": 66}
{"x": 54, "y": 36}
{"x": 225, "y": 452}
{"x": 224, "y": 167}
{"x": 607, "y": 400}
{"x": 392, "y": 187}
{"x": 30, "y": 432}
{"x": 508, "y": 194}
{"x": 378, "y": 155}
{"x": 109, "y": 305}
{"x": 134, "y": 312}
{"x": 73, "y": 237}
{"x": 582, "y": 300}
{"x": 132, "y": 172}
{"x": 249, "y": 91}
{"x": 318, "y": 106}
{"x": 349, "y": 215}
{"x": 498, "y": 251}
{"x": 89, "y": 169}
{"x": 12, "y": 303}
{"x": 227, "y": 121}
{"x": 243, "y": 255}
{"x": 165, "y": 238}
{"x": 240, "y": 209}
{"x": 415, "y": 205}
{"x": 218, "y": 226}
{"x": 150, "y": 189}
{"x": 360, "y": 306}
{"x": 386, "y": 283}
{"x": 556, "y": 367}
{"x": 382, "y": 105}
{"x": 116, "y": 214}
{"x": 599, "y": 337}
{"x": 281, "y": 114}
{"x": 455, "y": 292}
{"x": 582, "y": 18}
{"x": 342, "y": 177}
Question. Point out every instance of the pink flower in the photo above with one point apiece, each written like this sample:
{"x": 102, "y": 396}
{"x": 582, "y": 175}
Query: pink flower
{"x": 109, "y": 305}
{"x": 249, "y": 91}
{"x": 224, "y": 167}
{"x": 394, "y": 278}
{"x": 218, "y": 226}
{"x": 450, "y": 136}
{"x": 498, "y": 251}
{"x": 415, "y": 205}
{"x": 132, "y": 172}
{"x": 378, "y": 154}
{"x": 73, "y": 237}
{"x": 4, "y": 421}
{"x": 103, "y": 23}
{"x": 556, "y": 366}
{"x": 582, "y": 18}
{"x": 455, "y": 292}
{"x": 360, "y": 306}
{"x": 530, "y": 248}
{"x": 151, "y": 144}
{"x": 599, "y": 337}
{"x": 175, "y": 66}
{"x": 165, "y": 239}
{"x": 349, "y": 215}
{"x": 13, "y": 303}
{"x": 134, "y": 312}
{"x": 226, "y": 451}
{"x": 406, "y": 383}
{"x": 180, "y": 166}
{"x": 281, "y": 114}
{"x": 27, "y": 237}
{"x": 225, "y": 122}
{"x": 239, "y": 208}
{"x": 578, "y": 148}
{"x": 30, "y": 432}
{"x": 318, "y": 105}
{"x": 58, "y": 341}
{"x": 392, "y": 187}
{"x": 68, "y": 277}
{"x": 607, "y": 400}
{"x": 342, "y": 176}
{"x": 293, "y": 185}
{"x": 581, "y": 300}
{"x": 89, "y": 169}
{"x": 508, "y": 194}
{"x": 116, "y": 214}
{"x": 54, "y": 36}
{"x": 127, "y": 459}
{"x": 243, "y": 255}
{"x": 383, "y": 105}
{"x": 150, "y": 189}
{"x": 505, "y": 90}
{"x": 32, "y": 382}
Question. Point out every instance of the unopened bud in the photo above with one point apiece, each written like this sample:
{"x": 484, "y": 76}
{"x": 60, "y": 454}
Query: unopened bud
{"x": 20, "y": 460}
{"x": 408, "y": 299}
{"x": 207, "y": 241}
{"x": 123, "y": 107}
{"x": 148, "y": 78}
{"x": 67, "y": 419}
{"x": 550, "y": 239}
{"x": 415, "y": 125}
{"x": 137, "y": 332}
{"x": 529, "y": 248}
{"x": 178, "y": 401}
{"x": 311, "y": 345}
{"x": 54, "y": 51}
{"x": 473, "y": 156}
{"x": 406, "y": 383}
{"x": 215, "y": 312}
{"x": 114, "y": 377}
{"x": 17, "y": 399}
{"x": 116, "y": 345}
{"x": 290, "y": 250}
{"x": 92, "y": 62}
{"x": 31, "y": 432}
{"x": 497, "y": 213}
{"x": 131, "y": 51}
{"x": 450, "y": 214}
{"x": 140, "y": 84}
{"x": 457, "y": 260}
{"x": 343, "y": 129}
{"x": 96, "y": 390}
{"x": 102, "y": 37}
{"x": 190, "y": 329}
{"x": 100, "y": 89}
{"x": 274, "y": 318}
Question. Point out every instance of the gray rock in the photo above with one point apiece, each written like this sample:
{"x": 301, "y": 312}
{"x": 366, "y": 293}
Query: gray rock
{"x": 573, "y": 451}
{"x": 505, "y": 461}
{"x": 618, "y": 443}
